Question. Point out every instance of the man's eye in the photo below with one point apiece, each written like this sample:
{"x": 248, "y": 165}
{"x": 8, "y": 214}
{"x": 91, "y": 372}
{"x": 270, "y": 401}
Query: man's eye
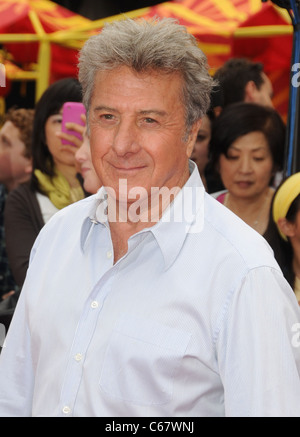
{"x": 149, "y": 120}
{"x": 107, "y": 116}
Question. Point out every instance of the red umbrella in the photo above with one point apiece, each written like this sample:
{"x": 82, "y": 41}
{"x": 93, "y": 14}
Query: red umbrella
{"x": 227, "y": 28}
{"x": 239, "y": 28}
{"x": 30, "y": 28}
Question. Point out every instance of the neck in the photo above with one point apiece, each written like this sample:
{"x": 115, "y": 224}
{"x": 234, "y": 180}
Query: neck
{"x": 254, "y": 211}
{"x": 69, "y": 172}
{"x": 126, "y": 219}
{"x": 120, "y": 233}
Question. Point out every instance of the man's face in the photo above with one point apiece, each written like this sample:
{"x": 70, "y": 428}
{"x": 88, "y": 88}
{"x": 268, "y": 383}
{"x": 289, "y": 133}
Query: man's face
{"x": 137, "y": 129}
{"x": 14, "y": 166}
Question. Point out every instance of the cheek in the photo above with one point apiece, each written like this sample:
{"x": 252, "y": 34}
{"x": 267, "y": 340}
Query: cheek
{"x": 53, "y": 142}
{"x": 5, "y": 159}
{"x": 6, "y": 164}
{"x": 95, "y": 156}
{"x": 265, "y": 172}
{"x": 99, "y": 144}
{"x": 203, "y": 150}
{"x": 197, "y": 150}
{"x": 50, "y": 131}
{"x": 20, "y": 162}
{"x": 227, "y": 169}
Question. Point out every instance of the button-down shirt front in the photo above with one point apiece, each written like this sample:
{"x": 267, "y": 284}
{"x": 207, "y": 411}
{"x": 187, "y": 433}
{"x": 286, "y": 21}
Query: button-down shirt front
{"x": 191, "y": 321}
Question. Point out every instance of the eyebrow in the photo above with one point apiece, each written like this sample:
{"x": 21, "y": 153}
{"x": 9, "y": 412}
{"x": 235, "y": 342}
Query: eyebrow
{"x": 254, "y": 150}
{"x": 141, "y": 112}
{"x": 104, "y": 108}
{"x": 153, "y": 111}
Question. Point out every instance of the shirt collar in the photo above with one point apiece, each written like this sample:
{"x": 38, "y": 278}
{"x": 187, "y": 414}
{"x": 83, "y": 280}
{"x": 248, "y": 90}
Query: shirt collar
{"x": 177, "y": 221}
{"x": 181, "y": 218}
{"x": 98, "y": 205}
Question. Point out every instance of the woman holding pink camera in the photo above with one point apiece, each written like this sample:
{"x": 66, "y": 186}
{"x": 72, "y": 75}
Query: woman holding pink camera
{"x": 54, "y": 183}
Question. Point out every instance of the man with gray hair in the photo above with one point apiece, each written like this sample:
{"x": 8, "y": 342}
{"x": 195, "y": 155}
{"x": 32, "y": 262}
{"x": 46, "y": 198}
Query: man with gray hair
{"x": 150, "y": 298}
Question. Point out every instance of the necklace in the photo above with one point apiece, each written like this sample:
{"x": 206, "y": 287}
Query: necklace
{"x": 261, "y": 220}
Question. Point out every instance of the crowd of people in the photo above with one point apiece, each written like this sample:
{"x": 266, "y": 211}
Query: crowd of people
{"x": 170, "y": 322}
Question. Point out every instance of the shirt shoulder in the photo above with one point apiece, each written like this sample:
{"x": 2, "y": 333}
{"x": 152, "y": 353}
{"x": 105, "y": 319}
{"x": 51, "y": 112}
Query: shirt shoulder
{"x": 234, "y": 235}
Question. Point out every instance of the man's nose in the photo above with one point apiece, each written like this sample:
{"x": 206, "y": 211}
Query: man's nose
{"x": 126, "y": 138}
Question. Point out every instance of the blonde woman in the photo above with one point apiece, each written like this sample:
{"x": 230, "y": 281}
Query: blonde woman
{"x": 283, "y": 233}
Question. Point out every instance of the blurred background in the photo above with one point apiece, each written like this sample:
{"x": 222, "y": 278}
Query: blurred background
{"x": 40, "y": 39}
{"x": 95, "y": 9}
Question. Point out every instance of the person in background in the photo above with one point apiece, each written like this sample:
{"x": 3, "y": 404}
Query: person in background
{"x": 243, "y": 80}
{"x": 15, "y": 168}
{"x": 91, "y": 181}
{"x": 125, "y": 313}
{"x": 239, "y": 80}
{"x": 247, "y": 150}
{"x": 53, "y": 183}
{"x": 283, "y": 233}
{"x": 200, "y": 150}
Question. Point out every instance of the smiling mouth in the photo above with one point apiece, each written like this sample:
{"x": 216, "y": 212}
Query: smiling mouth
{"x": 128, "y": 169}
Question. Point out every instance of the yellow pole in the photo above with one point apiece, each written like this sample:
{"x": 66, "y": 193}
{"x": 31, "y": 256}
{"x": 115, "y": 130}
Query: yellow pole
{"x": 263, "y": 31}
{"x": 44, "y": 56}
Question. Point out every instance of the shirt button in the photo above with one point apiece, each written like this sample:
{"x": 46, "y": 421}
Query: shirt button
{"x": 78, "y": 357}
{"x": 109, "y": 254}
{"x": 66, "y": 410}
{"x": 94, "y": 304}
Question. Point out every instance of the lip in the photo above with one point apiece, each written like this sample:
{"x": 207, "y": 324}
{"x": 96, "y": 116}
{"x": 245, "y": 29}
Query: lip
{"x": 84, "y": 169}
{"x": 128, "y": 169}
{"x": 244, "y": 184}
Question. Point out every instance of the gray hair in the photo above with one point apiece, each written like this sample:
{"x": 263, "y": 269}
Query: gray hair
{"x": 159, "y": 44}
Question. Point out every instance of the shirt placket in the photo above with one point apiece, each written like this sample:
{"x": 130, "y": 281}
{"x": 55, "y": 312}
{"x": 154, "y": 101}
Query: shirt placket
{"x": 84, "y": 333}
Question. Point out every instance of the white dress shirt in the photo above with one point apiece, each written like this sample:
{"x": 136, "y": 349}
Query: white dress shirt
{"x": 185, "y": 324}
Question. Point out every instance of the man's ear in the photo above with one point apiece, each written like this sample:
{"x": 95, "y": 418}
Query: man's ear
{"x": 28, "y": 167}
{"x": 286, "y": 227}
{"x": 192, "y": 137}
{"x": 250, "y": 92}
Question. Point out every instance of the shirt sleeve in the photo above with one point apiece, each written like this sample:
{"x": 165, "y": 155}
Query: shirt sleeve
{"x": 16, "y": 376}
{"x": 257, "y": 348}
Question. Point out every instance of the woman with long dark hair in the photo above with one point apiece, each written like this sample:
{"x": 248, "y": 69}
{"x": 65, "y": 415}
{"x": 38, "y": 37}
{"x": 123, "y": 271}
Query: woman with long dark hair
{"x": 54, "y": 183}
